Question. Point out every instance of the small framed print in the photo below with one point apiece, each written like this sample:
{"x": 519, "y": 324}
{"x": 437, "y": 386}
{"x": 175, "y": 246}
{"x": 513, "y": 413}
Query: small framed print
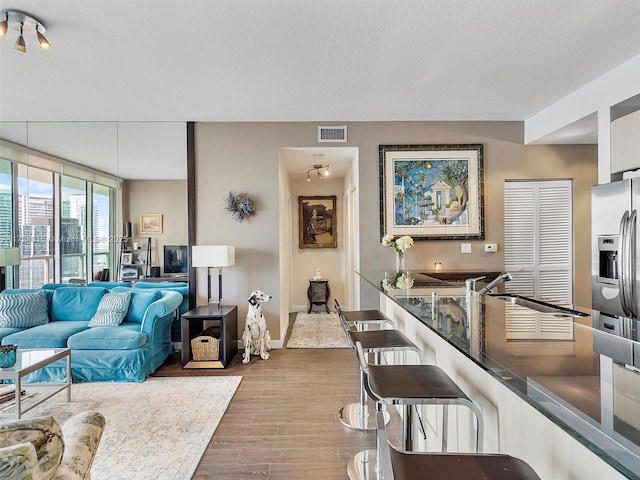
{"x": 151, "y": 223}
{"x": 126, "y": 258}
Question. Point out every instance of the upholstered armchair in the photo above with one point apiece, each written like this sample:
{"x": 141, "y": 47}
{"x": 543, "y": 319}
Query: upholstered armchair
{"x": 39, "y": 449}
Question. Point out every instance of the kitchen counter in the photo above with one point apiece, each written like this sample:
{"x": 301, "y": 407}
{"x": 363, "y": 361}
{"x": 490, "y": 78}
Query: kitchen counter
{"x": 552, "y": 362}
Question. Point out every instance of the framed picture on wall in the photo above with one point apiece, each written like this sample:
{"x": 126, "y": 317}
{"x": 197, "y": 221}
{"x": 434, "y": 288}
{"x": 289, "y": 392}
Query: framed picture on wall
{"x": 151, "y": 223}
{"x": 317, "y": 222}
{"x": 432, "y": 192}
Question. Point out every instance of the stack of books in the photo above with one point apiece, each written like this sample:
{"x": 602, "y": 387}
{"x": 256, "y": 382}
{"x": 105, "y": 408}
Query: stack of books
{"x": 8, "y": 393}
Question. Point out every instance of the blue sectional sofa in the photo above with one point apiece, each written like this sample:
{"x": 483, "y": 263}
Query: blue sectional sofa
{"x": 183, "y": 289}
{"x": 127, "y": 352}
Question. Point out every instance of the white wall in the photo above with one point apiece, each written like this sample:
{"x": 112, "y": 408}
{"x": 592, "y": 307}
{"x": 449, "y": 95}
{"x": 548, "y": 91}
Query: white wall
{"x": 246, "y": 157}
{"x": 285, "y": 204}
{"x": 597, "y": 96}
{"x": 351, "y": 207}
{"x": 602, "y": 93}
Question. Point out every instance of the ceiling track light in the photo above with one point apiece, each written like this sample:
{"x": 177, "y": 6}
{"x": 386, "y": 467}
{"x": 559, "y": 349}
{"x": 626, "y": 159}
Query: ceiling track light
{"x": 318, "y": 169}
{"x": 20, "y": 45}
{"x": 4, "y": 24}
{"x": 26, "y": 25}
{"x": 42, "y": 40}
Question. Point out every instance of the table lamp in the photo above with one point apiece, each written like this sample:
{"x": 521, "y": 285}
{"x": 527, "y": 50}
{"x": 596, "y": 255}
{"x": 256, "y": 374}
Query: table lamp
{"x": 213, "y": 256}
{"x": 8, "y": 257}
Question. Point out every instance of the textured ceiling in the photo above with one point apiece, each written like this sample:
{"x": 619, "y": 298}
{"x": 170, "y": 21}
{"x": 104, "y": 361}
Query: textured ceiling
{"x": 310, "y": 60}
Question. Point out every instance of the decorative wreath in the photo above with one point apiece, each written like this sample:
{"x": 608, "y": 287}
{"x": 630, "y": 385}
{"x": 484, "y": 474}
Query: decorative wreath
{"x": 240, "y": 206}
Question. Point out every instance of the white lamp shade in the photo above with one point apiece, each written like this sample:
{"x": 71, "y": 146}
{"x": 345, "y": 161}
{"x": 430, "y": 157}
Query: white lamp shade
{"x": 213, "y": 256}
{"x": 9, "y": 256}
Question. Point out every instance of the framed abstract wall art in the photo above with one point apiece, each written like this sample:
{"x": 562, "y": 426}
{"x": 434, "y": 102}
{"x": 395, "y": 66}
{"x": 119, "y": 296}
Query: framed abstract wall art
{"x": 317, "y": 222}
{"x": 432, "y": 191}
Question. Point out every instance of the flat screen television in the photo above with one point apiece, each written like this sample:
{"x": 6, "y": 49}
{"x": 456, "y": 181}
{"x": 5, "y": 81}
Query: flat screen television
{"x": 176, "y": 260}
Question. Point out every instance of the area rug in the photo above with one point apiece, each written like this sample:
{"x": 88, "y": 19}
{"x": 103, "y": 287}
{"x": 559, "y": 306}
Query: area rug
{"x": 317, "y": 330}
{"x": 157, "y": 429}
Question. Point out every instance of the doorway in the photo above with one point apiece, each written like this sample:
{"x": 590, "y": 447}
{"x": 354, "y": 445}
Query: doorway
{"x": 299, "y": 265}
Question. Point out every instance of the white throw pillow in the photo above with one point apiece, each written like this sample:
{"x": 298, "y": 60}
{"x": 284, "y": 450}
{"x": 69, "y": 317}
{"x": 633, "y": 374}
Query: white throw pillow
{"x": 112, "y": 309}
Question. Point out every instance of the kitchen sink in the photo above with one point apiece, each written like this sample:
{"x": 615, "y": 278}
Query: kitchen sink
{"x": 538, "y": 305}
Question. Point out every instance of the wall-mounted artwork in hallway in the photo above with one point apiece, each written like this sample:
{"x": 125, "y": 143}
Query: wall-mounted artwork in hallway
{"x": 317, "y": 222}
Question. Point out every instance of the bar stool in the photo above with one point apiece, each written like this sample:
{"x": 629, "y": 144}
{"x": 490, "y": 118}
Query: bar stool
{"x": 409, "y": 385}
{"x": 356, "y": 415}
{"x": 363, "y": 318}
{"x": 393, "y": 464}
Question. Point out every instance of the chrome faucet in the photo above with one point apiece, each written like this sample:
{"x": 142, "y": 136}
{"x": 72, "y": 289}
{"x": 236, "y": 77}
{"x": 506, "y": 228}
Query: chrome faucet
{"x": 470, "y": 283}
{"x": 503, "y": 277}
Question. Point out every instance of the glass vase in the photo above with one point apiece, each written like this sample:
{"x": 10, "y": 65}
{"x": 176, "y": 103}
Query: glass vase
{"x": 399, "y": 261}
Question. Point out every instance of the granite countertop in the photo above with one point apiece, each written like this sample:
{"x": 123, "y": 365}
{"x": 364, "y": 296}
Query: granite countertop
{"x": 554, "y": 362}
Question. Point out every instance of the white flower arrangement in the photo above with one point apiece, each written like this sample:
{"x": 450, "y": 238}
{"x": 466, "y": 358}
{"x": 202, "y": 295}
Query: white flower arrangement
{"x": 404, "y": 281}
{"x": 398, "y": 281}
{"x": 400, "y": 245}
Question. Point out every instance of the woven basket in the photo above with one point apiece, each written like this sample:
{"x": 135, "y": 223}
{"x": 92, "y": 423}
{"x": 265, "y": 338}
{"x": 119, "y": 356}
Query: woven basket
{"x": 205, "y": 347}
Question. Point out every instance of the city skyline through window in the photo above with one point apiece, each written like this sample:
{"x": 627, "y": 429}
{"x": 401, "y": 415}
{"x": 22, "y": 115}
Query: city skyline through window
{"x": 58, "y": 239}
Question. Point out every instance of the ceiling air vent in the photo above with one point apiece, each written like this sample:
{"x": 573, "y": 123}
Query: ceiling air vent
{"x": 332, "y": 134}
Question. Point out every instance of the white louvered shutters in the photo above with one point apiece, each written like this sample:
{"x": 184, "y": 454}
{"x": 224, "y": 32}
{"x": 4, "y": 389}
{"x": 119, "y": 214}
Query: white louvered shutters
{"x": 539, "y": 254}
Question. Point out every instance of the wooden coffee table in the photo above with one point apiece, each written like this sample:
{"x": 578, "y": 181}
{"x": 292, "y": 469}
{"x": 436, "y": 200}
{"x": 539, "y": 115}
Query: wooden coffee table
{"x": 28, "y": 361}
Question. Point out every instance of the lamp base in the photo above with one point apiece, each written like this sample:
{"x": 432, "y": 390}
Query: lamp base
{"x": 214, "y": 305}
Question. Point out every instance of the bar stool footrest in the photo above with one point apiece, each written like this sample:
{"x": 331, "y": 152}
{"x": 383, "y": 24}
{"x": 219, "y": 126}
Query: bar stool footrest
{"x": 352, "y": 416}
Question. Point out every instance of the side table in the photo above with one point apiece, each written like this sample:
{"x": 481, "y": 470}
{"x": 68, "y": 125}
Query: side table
{"x": 193, "y": 324}
{"x": 318, "y": 294}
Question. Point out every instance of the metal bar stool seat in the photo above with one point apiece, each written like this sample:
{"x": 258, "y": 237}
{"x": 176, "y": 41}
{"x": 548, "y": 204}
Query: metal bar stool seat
{"x": 356, "y": 415}
{"x": 393, "y": 464}
{"x": 363, "y": 318}
{"x": 409, "y": 385}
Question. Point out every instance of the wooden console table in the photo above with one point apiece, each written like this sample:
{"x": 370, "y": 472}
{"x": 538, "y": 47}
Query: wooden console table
{"x": 193, "y": 324}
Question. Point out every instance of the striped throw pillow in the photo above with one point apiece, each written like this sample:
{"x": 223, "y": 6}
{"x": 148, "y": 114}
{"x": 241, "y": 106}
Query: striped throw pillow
{"x": 23, "y": 310}
{"x": 112, "y": 309}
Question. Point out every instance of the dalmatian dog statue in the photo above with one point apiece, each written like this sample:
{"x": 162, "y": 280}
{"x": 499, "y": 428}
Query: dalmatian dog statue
{"x": 256, "y": 337}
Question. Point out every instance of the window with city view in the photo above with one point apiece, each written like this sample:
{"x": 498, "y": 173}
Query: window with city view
{"x": 63, "y": 225}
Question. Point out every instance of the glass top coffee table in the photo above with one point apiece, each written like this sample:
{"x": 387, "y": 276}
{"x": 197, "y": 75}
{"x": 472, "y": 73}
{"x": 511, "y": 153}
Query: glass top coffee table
{"x": 28, "y": 361}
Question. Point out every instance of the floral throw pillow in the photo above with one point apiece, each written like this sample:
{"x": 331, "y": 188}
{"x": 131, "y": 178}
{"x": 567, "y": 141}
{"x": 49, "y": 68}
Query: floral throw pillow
{"x": 19, "y": 462}
{"x": 44, "y": 434}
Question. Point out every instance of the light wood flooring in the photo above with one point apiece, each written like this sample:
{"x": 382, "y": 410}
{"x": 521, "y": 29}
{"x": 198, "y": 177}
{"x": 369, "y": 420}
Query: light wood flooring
{"x": 282, "y": 422}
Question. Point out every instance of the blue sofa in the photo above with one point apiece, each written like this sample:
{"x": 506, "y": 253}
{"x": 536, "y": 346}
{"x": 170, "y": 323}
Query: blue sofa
{"x": 183, "y": 289}
{"x": 128, "y": 352}
{"x": 180, "y": 287}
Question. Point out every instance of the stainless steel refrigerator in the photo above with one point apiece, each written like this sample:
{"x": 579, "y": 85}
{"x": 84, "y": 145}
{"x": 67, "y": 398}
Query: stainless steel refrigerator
{"x": 615, "y": 248}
